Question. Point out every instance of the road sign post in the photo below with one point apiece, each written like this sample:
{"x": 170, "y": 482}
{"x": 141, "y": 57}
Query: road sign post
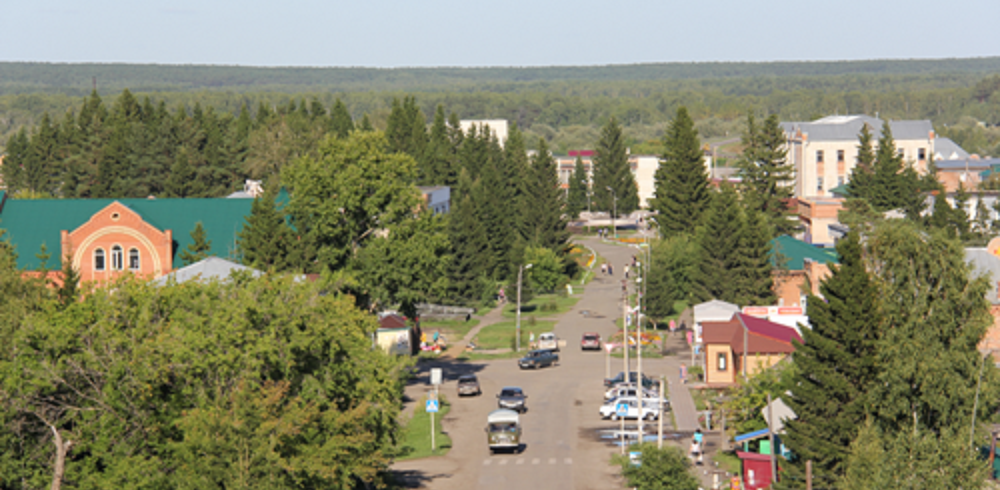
{"x": 432, "y": 408}
{"x": 621, "y": 411}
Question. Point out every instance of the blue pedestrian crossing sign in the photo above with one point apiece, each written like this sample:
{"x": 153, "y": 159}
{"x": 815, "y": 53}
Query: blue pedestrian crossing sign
{"x": 621, "y": 409}
{"x": 432, "y": 406}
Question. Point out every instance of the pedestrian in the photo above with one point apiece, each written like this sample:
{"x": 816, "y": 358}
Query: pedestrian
{"x": 604, "y": 268}
{"x": 611, "y": 269}
{"x": 684, "y": 373}
{"x": 696, "y": 445}
{"x": 626, "y": 271}
{"x": 531, "y": 340}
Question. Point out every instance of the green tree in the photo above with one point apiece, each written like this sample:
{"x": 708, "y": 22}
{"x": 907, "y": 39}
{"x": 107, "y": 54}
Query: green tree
{"x": 718, "y": 242}
{"x": 661, "y": 469}
{"x": 546, "y": 273}
{"x": 767, "y": 175}
{"x": 682, "y": 194}
{"x": 577, "y": 198}
{"x": 69, "y": 289}
{"x": 835, "y": 366}
{"x": 470, "y": 249}
{"x": 199, "y": 247}
{"x": 887, "y": 187}
{"x": 612, "y": 171}
{"x": 546, "y": 205}
{"x": 981, "y": 223}
{"x": 753, "y": 277}
{"x": 661, "y": 290}
{"x": 266, "y": 240}
{"x": 436, "y": 162}
{"x": 863, "y": 173}
{"x": 911, "y": 459}
{"x": 341, "y": 121}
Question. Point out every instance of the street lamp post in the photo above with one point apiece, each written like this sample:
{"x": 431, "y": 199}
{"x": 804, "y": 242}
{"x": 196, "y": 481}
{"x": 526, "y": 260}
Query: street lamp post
{"x": 584, "y": 182}
{"x": 614, "y": 210}
{"x": 517, "y": 338}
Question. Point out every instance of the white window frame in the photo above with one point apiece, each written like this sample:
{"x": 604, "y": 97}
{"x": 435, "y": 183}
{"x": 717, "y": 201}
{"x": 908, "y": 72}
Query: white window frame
{"x": 117, "y": 258}
{"x": 134, "y": 259}
{"x": 722, "y": 361}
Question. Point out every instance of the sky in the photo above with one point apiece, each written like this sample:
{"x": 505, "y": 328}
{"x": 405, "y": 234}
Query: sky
{"x": 467, "y": 33}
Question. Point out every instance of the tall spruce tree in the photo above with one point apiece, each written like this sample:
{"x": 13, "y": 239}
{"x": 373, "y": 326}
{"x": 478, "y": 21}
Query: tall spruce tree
{"x": 577, "y": 198}
{"x": 719, "y": 247}
{"x": 547, "y": 210}
{"x": 682, "y": 194}
{"x": 767, "y": 175}
{"x": 469, "y": 241}
{"x": 340, "y": 119}
{"x": 200, "y": 246}
{"x": 614, "y": 185}
{"x": 436, "y": 164}
{"x": 835, "y": 367}
{"x": 753, "y": 276}
{"x": 887, "y": 187}
{"x": 266, "y": 241}
{"x": 862, "y": 175}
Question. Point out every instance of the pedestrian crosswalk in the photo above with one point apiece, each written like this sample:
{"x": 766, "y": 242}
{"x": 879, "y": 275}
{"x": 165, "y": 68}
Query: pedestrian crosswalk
{"x": 502, "y": 461}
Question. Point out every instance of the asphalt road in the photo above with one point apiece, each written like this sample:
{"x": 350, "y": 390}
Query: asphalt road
{"x": 561, "y": 444}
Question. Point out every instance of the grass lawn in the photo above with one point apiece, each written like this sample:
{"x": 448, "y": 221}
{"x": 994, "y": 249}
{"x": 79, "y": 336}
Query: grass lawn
{"x": 700, "y": 396}
{"x": 501, "y": 335}
{"x": 649, "y": 352}
{"x": 727, "y": 461}
{"x": 453, "y": 330}
{"x": 416, "y": 441}
{"x": 544, "y": 305}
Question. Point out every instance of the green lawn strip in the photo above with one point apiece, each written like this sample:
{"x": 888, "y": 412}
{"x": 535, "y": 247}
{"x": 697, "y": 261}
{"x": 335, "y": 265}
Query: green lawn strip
{"x": 728, "y": 461}
{"x": 649, "y": 352}
{"x": 543, "y": 305}
{"x": 416, "y": 441}
{"x": 453, "y": 330}
{"x": 501, "y": 335}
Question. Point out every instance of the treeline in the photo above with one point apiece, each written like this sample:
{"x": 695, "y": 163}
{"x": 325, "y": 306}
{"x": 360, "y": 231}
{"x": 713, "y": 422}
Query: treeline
{"x": 569, "y": 113}
{"x": 20, "y": 77}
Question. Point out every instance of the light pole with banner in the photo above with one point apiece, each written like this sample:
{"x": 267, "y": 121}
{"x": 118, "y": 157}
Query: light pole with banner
{"x": 517, "y": 338}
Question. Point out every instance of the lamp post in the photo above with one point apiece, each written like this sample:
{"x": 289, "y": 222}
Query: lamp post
{"x": 584, "y": 182}
{"x": 517, "y": 337}
{"x": 614, "y": 211}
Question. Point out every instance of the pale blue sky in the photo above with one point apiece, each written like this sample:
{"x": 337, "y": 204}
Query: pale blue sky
{"x": 384, "y": 33}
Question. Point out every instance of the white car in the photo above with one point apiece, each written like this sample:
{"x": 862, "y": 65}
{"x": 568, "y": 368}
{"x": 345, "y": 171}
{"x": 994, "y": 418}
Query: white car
{"x": 628, "y": 390}
{"x": 548, "y": 341}
{"x": 650, "y": 411}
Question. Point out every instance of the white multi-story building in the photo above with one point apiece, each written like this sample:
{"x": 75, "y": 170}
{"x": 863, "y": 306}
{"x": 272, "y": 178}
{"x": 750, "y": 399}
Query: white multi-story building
{"x": 643, "y": 170}
{"x": 496, "y": 126}
{"x": 824, "y": 152}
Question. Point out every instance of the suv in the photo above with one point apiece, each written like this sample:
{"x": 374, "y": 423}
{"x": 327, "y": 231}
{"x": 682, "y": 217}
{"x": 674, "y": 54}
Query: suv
{"x": 628, "y": 392}
{"x": 512, "y": 398}
{"x": 548, "y": 341}
{"x": 650, "y": 411}
{"x": 647, "y": 382}
{"x": 590, "y": 341}
{"x": 468, "y": 384}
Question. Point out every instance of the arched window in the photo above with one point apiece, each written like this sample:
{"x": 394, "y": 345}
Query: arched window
{"x": 99, "y": 260}
{"x": 117, "y": 258}
{"x": 133, "y": 259}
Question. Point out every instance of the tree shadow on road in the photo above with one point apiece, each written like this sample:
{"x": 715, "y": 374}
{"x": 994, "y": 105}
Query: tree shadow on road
{"x": 413, "y": 478}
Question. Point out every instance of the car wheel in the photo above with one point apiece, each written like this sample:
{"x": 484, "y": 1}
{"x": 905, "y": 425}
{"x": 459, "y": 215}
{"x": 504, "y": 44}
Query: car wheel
{"x": 650, "y": 416}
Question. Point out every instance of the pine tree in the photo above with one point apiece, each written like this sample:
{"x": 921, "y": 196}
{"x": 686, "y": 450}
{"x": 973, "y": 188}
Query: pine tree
{"x": 435, "y": 164}
{"x": 547, "y": 203}
{"x": 577, "y": 199}
{"x": 612, "y": 171}
{"x": 886, "y": 187}
{"x": 959, "y": 215}
{"x": 183, "y": 180}
{"x": 69, "y": 292}
{"x": 682, "y": 195}
{"x": 753, "y": 277}
{"x": 662, "y": 290}
{"x": 470, "y": 247}
{"x": 835, "y": 365}
{"x": 199, "y": 248}
{"x": 17, "y": 153}
{"x": 522, "y": 187}
{"x": 860, "y": 183}
{"x": 766, "y": 172}
{"x": 981, "y": 222}
{"x": 341, "y": 121}
{"x": 366, "y": 124}
{"x": 265, "y": 242}
{"x": 718, "y": 241}
{"x": 940, "y": 217}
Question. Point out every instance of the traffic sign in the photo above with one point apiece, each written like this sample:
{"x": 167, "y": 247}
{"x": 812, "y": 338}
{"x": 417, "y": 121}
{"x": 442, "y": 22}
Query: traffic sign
{"x": 432, "y": 406}
{"x": 635, "y": 457}
{"x": 621, "y": 409}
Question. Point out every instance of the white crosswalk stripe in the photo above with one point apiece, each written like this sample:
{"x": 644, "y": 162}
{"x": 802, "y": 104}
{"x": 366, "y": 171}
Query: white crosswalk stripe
{"x": 487, "y": 462}
{"x": 568, "y": 461}
{"x": 520, "y": 461}
{"x": 535, "y": 461}
{"x": 503, "y": 462}
{"x": 552, "y": 460}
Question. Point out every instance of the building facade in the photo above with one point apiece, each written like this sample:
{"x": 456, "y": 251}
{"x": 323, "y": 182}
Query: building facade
{"x": 824, "y": 152}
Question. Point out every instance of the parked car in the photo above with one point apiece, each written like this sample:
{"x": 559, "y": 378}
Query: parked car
{"x": 548, "y": 341}
{"x": 468, "y": 384}
{"x": 647, "y": 382}
{"x": 538, "y": 358}
{"x": 512, "y": 398}
{"x": 590, "y": 341}
{"x": 628, "y": 391}
{"x": 649, "y": 411}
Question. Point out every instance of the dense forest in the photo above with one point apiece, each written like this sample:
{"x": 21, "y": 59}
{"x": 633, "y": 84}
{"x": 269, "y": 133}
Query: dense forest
{"x": 564, "y": 105}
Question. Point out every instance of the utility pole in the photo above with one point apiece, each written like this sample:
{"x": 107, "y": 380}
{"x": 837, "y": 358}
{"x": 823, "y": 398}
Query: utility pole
{"x": 770, "y": 437}
{"x": 517, "y": 338}
{"x": 614, "y": 210}
{"x": 659, "y": 420}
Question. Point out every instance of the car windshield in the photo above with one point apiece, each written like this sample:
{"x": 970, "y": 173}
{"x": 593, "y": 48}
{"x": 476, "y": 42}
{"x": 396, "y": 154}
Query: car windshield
{"x": 467, "y": 379}
{"x": 590, "y": 337}
{"x": 510, "y": 392}
{"x": 503, "y": 427}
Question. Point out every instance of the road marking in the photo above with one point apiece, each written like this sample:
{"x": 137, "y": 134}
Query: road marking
{"x": 568, "y": 461}
{"x": 486, "y": 462}
{"x": 520, "y": 461}
{"x": 502, "y": 462}
{"x": 552, "y": 460}
{"x": 535, "y": 461}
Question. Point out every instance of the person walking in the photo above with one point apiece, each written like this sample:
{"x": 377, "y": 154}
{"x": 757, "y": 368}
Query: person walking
{"x": 611, "y": 270}
{"x": 684, "y": 373}
{"x": 626, "y": 271}
{"x": 696, "y": 446}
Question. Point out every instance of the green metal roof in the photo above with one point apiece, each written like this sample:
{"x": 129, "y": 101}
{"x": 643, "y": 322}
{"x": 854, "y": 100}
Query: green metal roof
{"x": 794, "y": 252}
{"x": 841, "y": 191}
{"x": 32, "y": 222}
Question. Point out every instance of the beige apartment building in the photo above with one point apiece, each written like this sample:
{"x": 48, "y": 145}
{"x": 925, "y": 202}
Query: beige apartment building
{"x": 643, "y": 170}
{"x": 824, "y": 152}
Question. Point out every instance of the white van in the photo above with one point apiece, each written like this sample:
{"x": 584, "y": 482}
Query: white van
{"x": 548, "y": 341}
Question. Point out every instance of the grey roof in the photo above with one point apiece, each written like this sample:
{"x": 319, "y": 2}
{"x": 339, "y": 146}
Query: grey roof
{"x": 211, "y": 268}
{"x": 240, "y": 195}
{"x": 714, "y": 311}
{"x": 971, "y": 164}
{"x": 946, "y": 149}
{"x": 847, "y": 128}
{"x": 780, "y": 412}
{"x": 983, "y": 263}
